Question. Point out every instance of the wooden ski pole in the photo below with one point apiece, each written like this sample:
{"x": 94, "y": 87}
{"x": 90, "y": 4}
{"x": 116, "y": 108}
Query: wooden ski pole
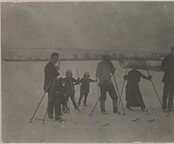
{"x": 77, "y": 71}
{"x": 122, "y": 89}
{"x": 75, "y": 100}
{"x": 118, "y": 94}
{"x": 40, "y": 102}
{"x": 49, "y": 101}
{"x": 98, "y": 89}
{"x": 94, "y": 106}
{"x": 155, "y": 89}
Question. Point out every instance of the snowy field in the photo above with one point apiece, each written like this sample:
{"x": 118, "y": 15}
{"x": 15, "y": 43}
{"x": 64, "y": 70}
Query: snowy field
{"x": 22, "y": 89}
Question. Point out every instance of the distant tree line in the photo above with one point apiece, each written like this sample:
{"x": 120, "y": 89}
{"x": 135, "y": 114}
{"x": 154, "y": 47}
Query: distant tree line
{"x": 85, "y": 55}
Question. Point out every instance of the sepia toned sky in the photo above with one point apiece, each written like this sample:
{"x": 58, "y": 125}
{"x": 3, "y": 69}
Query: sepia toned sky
{"x": 92, "y": 25}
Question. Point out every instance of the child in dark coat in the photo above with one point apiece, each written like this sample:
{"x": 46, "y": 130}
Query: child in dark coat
{"x": 85, "y": 87}
{"x": 69, "y": 86}
{"x": 61, "y": 93}
{"x": 57, "y": 98}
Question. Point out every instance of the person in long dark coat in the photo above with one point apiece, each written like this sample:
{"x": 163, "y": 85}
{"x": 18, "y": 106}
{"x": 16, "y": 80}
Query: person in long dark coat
{"x": 167, "y": 67}
{"x": 133, "y": 95}
{"x": 50, "y": 75}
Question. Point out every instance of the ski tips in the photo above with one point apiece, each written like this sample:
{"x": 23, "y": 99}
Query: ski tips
{"x": 151, "y": 120}
{"x": 134, "y": 120}
{"x": 106, "y": 124}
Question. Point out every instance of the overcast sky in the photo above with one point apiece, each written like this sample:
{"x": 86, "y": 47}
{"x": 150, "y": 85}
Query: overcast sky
{"x": 111, "y": 25}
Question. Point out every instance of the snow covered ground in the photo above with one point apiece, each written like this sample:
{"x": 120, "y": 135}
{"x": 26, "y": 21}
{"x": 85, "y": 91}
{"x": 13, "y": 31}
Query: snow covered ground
{"x": 22, "y": 89}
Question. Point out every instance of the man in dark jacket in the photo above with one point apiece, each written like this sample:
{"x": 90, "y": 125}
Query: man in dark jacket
{"x": 51, "y": 73}
{"x": 167, "y": 67}
{"x": 105, "y": 70}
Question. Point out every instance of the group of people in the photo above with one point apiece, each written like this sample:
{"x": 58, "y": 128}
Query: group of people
{"x": 60, "y": 89}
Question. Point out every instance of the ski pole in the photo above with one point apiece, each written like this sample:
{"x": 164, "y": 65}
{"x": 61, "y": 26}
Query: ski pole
{"x": 118, "y": 93}
{"x": 75, "y": 100}
{"x": 155, "y": 89}
{"x": 122, "y": 89}
{"x": 94, "y": 106}
{"x": 49, "y": 101}
{"x": 40, "y": 102}
{"x": 173, "y": 83}
{"x": 98, "y": 89}
{"x": 97, "y": 100}
{"x": 58, "y": 63}
{"x": 77, "y": 71}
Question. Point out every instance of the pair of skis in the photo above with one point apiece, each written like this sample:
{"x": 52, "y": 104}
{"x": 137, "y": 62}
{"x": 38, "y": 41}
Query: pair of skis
{"x": 138, "y": 118}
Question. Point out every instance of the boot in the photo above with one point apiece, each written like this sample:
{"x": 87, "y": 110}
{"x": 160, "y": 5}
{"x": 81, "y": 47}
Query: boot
{"x": 50, "y": 116}
{"x": 115, "y": 109}
{"x": 102, "y": 106}
{"x": 144, "y": 109}
{"x": 128, "y": 107}
{"x": 84, "y": 104}
{"x": 57, "y": 117}
{"x": 79, "y": 102}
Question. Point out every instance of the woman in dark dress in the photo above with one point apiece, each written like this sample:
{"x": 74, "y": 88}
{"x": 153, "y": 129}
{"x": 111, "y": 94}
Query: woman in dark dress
{"x": 133, "y": 94}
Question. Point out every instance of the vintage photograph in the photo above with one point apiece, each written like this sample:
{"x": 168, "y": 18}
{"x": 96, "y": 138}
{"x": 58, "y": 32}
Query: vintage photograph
{"x": 87, "y": 72}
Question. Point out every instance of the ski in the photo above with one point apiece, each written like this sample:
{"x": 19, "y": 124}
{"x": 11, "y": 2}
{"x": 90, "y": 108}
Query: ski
{"x": 106, "y": 124}
{"x": 147, "y": 112}
{"x": 119, "y": 113}
{"x": 136, "y": 119}
{"x": 151, "y": 120}
{"x": 60, "y": 120}
{"x": 105, "y": 113}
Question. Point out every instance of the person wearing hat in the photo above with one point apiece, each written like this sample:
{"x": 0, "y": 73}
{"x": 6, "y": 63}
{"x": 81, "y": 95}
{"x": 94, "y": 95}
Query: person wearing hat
{"x": 50, "y": 75}
{"x": 69, "y": 88}
{"x": 85, "y": 87}
{"x": 167, "y": 67}
{"x": 104, "y": 72}
{"x": 133, "y": 95}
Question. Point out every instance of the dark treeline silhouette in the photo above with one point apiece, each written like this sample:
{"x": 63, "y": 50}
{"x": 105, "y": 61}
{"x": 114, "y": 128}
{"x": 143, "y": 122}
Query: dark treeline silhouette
{"x": 79, "y": 54}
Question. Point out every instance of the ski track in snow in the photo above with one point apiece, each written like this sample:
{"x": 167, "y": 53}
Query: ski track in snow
{"x": 22, "y": 90}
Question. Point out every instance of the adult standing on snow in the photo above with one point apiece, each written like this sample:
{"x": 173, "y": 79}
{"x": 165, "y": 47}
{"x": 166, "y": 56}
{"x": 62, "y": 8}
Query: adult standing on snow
{"x": 50, "y": 75}
{"x": 167, "y": 67}
{"x": 105, "y": 70}
{"x": 133, "y": 95}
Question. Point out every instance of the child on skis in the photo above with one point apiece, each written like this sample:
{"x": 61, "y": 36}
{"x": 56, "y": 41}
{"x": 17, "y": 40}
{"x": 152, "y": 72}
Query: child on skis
{"x": 61, "y": 93}
{"x": 133, "y": 94}
{"x": 56, "y": 98}
{"x": 85, "y": 87}
{"x": 69, "y": 86}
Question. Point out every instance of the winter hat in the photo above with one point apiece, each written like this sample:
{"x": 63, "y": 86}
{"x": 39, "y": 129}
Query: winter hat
{"x": 135, "y": 66}
{"x": 106, "y": 56}
{"x": 68, "y": 71}
{"x": 60, "y": 80}
{"x": 86, "y": 74}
